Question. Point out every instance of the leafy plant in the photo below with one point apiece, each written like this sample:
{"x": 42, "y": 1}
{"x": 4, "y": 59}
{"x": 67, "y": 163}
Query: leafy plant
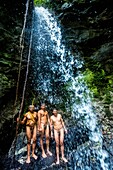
{"x": 40, "y": 2}
{"x": 89, "y": 78}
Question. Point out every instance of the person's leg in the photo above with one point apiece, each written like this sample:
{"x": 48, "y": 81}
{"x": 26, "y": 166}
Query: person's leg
{"x": 47, "y": 140}
{"x": 41, "y": 142}
{"x": 57, "y": 145}
{"x": 62, "y": 144}
{"x": 28, "y": 134}
{"x": 34, "y": 142}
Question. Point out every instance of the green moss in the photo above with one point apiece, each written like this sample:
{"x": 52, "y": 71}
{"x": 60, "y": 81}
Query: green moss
{"x": 89, "y": 78}
{"x": 40, "y": 2}
{"x": 99, "y": 83}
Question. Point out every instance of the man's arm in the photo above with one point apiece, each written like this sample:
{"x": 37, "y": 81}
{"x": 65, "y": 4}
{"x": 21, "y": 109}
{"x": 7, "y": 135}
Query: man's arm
{"x": 51, "y": 126}
{"x": 48, "y": 119}
{"x": 22, "y": 121}
{"x": 51, "y": 123}
{"x": 63, "y": 124}
{"x": 39, "y": 120}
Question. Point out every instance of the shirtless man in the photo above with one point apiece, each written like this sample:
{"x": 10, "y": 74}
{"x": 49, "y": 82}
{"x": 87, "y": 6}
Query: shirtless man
{"x": 43, "y": 127}
{"x": 30, "y": 119}
{"x": 57, "y": 123}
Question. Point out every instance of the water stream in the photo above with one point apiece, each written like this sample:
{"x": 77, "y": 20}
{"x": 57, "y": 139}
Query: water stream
{"x": 58, "y": 76}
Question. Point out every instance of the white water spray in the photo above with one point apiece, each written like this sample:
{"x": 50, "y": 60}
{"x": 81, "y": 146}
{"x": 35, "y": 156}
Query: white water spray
{"x": 52, "y": 56}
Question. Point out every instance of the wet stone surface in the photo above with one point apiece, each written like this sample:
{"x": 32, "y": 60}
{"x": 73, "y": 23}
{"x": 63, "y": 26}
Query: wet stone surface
{"x": 82, "y": 154}
{"x": 73, "y": 139}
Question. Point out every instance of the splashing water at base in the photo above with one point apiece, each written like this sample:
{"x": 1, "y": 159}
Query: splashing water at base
{"x": 54, "y": 69}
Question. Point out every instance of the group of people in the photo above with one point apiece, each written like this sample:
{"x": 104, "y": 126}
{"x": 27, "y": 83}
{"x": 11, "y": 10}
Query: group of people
{"x": 40, "y": 123}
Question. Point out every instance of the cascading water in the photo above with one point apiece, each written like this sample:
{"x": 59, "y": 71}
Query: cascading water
{"x": 57, "y": 78}
{"x": 54, "y": 68}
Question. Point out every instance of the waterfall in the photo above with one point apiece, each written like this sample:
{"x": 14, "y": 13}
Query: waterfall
{"x": 55, "y": 68}
{"x": 56, "y": 77}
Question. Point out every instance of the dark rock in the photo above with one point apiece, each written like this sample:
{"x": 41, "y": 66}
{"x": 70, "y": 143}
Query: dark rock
{"x": 12, "y": 19}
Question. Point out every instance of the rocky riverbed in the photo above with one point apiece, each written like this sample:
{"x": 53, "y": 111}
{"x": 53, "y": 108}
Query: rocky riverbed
{"x": 80, "y": 151}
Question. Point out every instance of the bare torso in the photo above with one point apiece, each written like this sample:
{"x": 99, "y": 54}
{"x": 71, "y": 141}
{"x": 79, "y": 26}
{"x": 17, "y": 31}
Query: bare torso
{"x": 43, "y": 117}
{"x": 31, "y": 118}
{"x": 57, "y": 123}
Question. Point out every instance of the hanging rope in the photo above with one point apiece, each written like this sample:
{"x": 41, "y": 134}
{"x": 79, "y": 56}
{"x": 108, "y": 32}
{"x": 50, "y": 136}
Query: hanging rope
{"x": 21, "y": 51}
{"x": 28, "y": 61}
{"x": 24, "y": 88}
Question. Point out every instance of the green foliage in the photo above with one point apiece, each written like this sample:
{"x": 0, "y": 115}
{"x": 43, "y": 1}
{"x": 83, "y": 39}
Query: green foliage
{"x": 110, "y": 81}
{"x": 5, "y": 84}
{"x": 40, "y": 2}
{"x": 3, "y": 62}
{"x": 89, "y": 78}
{"x": 99, "y": 83}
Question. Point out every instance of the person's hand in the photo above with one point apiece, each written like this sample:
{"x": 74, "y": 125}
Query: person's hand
{"x": 66, "y": 131}
{"x": 17, "y": 119}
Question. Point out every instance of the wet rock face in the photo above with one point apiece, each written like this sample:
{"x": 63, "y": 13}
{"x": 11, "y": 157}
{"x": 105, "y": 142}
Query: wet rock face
{"x": 88, "y": 27}
{"x": 10, "y": 29}
{"x": 12, "y": 19}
